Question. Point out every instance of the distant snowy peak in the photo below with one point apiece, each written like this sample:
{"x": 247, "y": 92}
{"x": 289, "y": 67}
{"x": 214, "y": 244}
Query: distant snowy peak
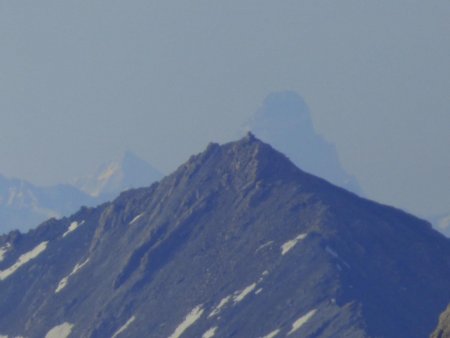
{"x": 24, "y": 205}
{"x": 284, "y": 121}
{"x": 128, "y": 171}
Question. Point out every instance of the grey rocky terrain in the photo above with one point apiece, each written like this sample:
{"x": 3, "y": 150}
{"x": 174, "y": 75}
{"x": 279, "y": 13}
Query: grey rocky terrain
{"x": 238, "y": 242}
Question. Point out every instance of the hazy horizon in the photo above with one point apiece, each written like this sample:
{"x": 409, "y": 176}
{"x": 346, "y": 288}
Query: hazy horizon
{"x": 82, "y": 82}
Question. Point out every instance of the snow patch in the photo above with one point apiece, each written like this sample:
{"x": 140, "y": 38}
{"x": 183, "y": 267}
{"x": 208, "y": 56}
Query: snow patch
{"x": 60, "y": 331}
{"x": 219, "y": 307}
{"x": 237, "y": 297}
{"x": 72, "y": 227}
{"x": 23, "y": 259}
{"x": 124, "y": 327}
{"x": 210, "y": 333}
{"x": 134, "y": 220}
{"x": 190, "y": 319}
{"x": 240, "y": 295}
{"x": 286, "y": 247}
{"x": 272, "y": 334}
{"x": 264, "y": 274}
{"x": 3, "y": 251}
{"x": 302, "y": 321}
{"x": 62, "y": 284}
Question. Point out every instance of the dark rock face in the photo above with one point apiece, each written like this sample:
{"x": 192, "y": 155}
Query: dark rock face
{"x": 237, "y": 242}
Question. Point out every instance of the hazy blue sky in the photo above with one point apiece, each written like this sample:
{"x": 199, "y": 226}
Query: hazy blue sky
{"x": 81, "y": 81}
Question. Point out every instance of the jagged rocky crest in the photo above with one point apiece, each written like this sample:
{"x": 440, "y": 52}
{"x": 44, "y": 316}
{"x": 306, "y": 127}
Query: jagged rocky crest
{"x": 237, "y": 242}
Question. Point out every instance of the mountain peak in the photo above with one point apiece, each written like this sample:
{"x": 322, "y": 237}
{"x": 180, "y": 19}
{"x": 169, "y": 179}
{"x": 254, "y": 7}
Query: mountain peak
{"x": 237, "y": 240}
{"x": 246, "y": 154}
{"x": 284, "y": 120}
{"x": 125, "y": 172}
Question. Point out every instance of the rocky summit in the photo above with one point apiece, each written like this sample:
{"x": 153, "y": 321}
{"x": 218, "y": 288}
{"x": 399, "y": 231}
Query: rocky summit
{"x": 238, "y": 242}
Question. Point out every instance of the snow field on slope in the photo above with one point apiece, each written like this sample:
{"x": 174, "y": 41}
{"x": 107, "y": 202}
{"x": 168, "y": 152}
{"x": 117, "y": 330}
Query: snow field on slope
{"x": 23, "y": 259}
{"x": 60, "y": 331}
{"x": 289, "y": 245}
{"x": 72, "y": 227}
{"x": 190, "y": 319}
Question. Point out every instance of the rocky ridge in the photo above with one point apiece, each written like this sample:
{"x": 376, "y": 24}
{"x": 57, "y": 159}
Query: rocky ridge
{"x": 238, "y": 242}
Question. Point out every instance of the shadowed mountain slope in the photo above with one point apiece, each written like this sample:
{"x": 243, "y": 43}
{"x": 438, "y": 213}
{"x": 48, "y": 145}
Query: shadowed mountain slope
{"x": 238, "y": 242}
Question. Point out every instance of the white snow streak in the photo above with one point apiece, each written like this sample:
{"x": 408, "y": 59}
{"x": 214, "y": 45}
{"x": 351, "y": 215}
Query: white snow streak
{"x": 62, "y": 284}
{"x": 3, "y": 251}
{"x": 263, "y": 246}
{"x": 242, "y": 294}
{"x": 210, "y": 333}
{"x": 219, "y": 307}
{"x": 331, "y": 252}
{"x": 335, "y": 255}
{"x": 60, "y": 331}
{"x": 302, "y": 321}
{"x": 72, "y": 227}
{"x": 23, "y": 259}
{"x": 272, "y": 334}
{"x": 237, "y": 297}
{"x": 134, "y": 220}
{"x": 290, "y": 244}
{"x": 190, "y": 319}
{"x": 124, "y": 327}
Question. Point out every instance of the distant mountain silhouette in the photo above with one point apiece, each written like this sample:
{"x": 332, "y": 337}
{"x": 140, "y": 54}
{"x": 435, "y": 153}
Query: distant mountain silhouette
{"x": 129, "y": 171}
{"x": 24, "y": 205}
{"x": 237, "y": 242}
{"x": 284, "y": 121}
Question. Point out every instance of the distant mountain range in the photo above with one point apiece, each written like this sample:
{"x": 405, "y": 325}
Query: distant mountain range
{"x": 24, "y": 205}
{"x": 237, "y": 242}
